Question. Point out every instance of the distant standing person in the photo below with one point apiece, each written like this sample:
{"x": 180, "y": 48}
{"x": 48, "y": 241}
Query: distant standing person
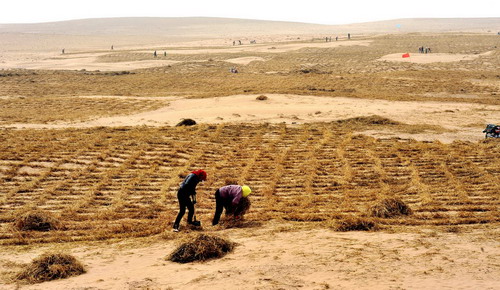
{"x": 228, "y": 197}
{"x": 154, "y": 54}
{"x": 112, "y": 47}
{"x": 187, "y": 197}
{"x": 63, "y": 51}
{"x": 348, "y": 36}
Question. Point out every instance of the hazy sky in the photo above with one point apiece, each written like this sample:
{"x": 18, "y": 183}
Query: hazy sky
{"x": 311, "y": 11}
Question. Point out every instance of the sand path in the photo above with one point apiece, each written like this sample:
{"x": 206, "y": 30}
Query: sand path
{"x": 266, "y": 258}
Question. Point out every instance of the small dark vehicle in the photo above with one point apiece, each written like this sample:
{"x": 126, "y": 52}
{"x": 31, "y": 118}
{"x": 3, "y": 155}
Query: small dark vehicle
{"x": 492, "y": 131}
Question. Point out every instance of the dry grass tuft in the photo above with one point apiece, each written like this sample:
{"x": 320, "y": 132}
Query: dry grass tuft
{"x": 186, "y": 122}
{"x": 36, "y": 221}
{"x": 390, "y": 207}
{"x": 261, "y": 98}
{"x": 51, "y": 266}
{"x": 202, "y": 248}
{"x": 370, "y": 120}
{"x": 229, "y": 223}
{"x": 356, "y": 224}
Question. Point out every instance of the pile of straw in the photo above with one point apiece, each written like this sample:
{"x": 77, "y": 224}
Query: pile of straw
{"x": 356, "y": 224}
{"x": 390, "y": 207}
{"x": 51, "y": 266}
{"x": 186, "y": 122}
{"x": 202, "y": 248}
{"x": 36, "y": 221}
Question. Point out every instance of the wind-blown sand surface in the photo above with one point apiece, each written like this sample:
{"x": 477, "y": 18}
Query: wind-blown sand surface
{"x": 90, "y": 61}
{"x": 281, "y": 256}
{"x": 431, "y": 57}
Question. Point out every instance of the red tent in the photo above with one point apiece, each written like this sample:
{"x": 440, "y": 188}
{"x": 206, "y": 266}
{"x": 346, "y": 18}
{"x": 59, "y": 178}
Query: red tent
{"x": 406, "y": 55}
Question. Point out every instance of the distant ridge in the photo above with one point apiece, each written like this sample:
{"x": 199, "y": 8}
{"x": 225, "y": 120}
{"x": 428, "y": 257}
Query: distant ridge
{"x": 210, "y": 27}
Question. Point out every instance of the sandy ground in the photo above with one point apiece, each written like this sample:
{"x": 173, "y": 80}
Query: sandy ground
{"x": 245, "y": 60}
{"x": 277, "y": 256}
{"x": 78, "y": 61}
{"x": 89, "y": 61}
{"x": 431, "y": 57}
{"x": 458, "y": 118}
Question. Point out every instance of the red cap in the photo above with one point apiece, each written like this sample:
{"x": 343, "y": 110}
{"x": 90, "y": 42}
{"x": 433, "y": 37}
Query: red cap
{"x": 202, "y": 175}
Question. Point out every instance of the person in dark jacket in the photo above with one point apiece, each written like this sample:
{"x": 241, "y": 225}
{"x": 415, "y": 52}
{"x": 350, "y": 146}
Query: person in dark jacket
{"x": 229, "y": 197}
{"x": 187, "y": 197}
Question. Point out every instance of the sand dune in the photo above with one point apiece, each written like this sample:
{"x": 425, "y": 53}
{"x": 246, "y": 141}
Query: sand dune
{"x": 127, "y": 32}
{"x": 208, "y": 26}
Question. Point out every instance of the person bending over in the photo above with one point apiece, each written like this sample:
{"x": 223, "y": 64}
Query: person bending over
{"x": 187, "y": 197}
{"x": 229, "y": 197}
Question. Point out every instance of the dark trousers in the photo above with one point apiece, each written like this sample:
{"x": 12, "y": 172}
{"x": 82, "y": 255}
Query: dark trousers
{"x": 184, "y": 201}
{"x": 220, "y": 205}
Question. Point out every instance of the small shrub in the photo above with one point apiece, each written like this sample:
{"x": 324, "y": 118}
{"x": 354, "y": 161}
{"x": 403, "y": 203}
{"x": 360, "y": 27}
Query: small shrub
{"x": 186, "y": 122}
{"x": 356, "y": 224}
{"x": 202, "y": 248}
{"x": 51, "y": 266}
{"x": 390, "y": 207}
{"x": 261, "y": 98}
{"x": 36, "y": 221}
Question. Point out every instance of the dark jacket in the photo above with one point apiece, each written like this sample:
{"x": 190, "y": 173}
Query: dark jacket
{"x": 188, "y": 186}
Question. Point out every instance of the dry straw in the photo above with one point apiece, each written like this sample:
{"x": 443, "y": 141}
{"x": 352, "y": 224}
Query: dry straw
{"x": 36, "y": 221}
{"x": 51, "y": 266}
{"x": 203, "y": 248}
{"x": 186, "y": 122}
{"x": 242, "y": 207}
{"x": 356, "y": 224}
{"x": 389, "y": 207}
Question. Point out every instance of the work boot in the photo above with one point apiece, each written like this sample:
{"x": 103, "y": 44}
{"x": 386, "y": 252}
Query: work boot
{"x": 195, "y": 223}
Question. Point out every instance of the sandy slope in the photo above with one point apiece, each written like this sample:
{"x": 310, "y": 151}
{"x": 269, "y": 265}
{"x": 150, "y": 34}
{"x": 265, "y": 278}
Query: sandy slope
{"x": 279, "y": 256}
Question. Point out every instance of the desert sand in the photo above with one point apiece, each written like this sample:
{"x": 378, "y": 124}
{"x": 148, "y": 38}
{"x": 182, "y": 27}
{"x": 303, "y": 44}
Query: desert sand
{"x": 430, "y": 57}
{"x": 443, "y": 98}
{"x": 285, "y": 256}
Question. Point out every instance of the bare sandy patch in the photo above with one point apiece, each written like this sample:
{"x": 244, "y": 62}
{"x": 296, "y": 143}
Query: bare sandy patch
{"x": 317, "y": 259}
{"x": 86, "y": 61}
{"x": 245, "y": 60}
{"x": 269, "y": 48}
{"x": 431, "y": 57}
